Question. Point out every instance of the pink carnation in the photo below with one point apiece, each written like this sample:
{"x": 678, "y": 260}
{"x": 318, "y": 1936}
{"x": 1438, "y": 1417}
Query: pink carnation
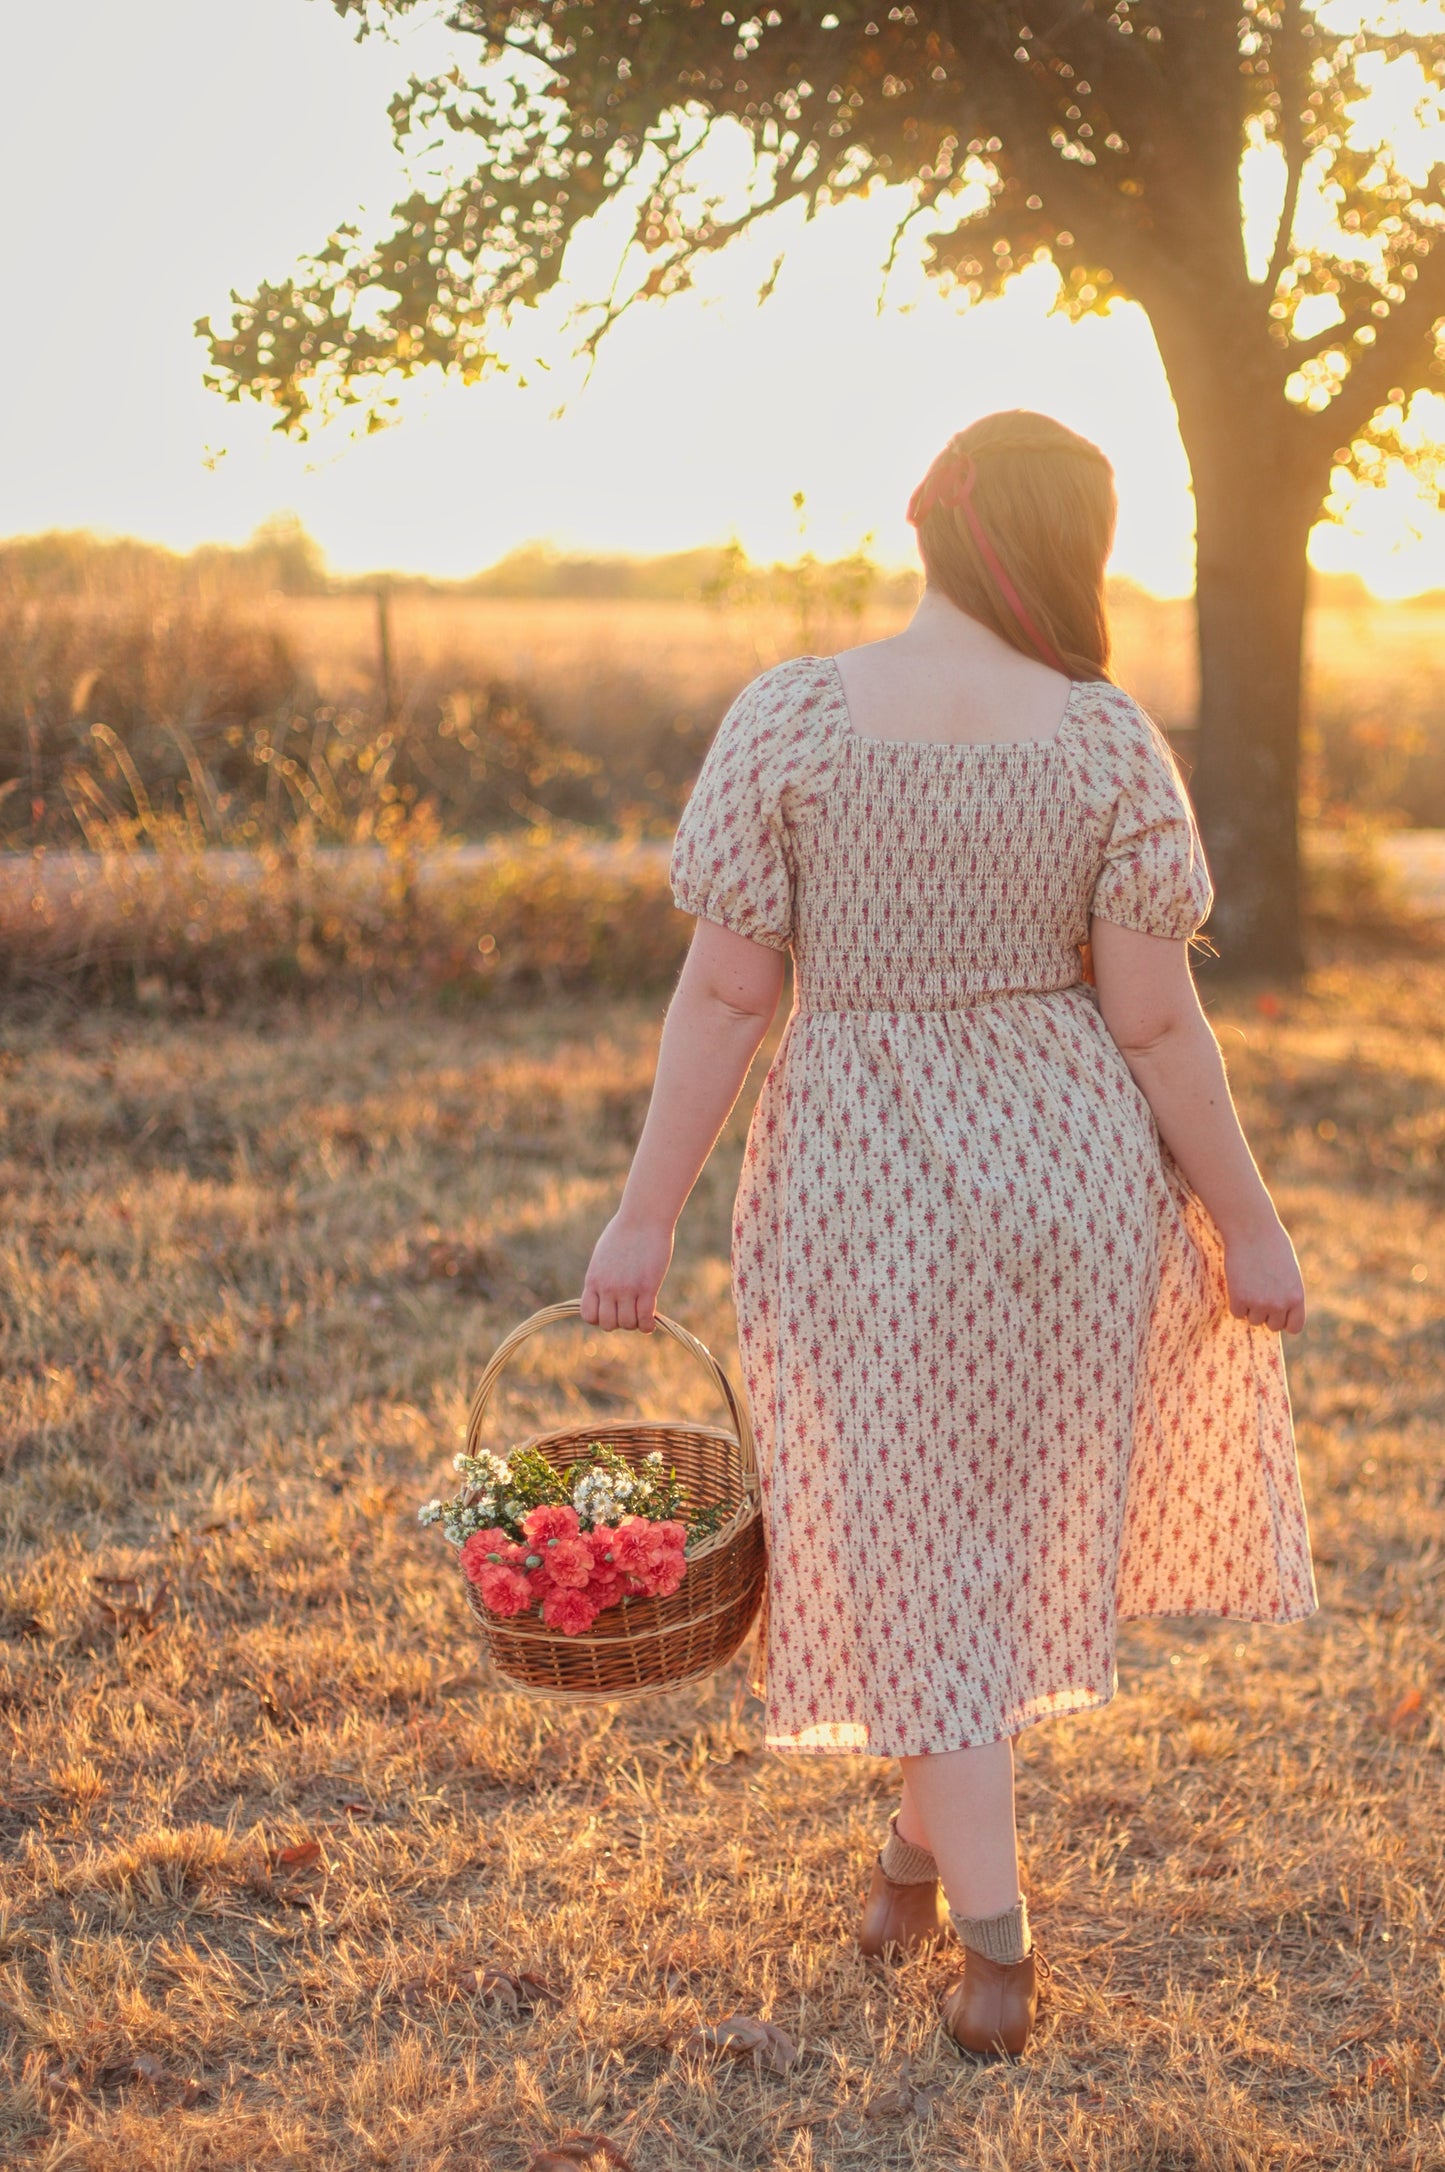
{"x": 667, "y": 1574}
{"x": 657, "y": 1578}
{"x": 504, "y": 1590}
{"x": 474, "y": 1554}
{"x": 601, "y": 1538}
{"x": 570, "y": 1562}
{"x": 606, "y": 1588}
{"x": 550, "y": 1521}
{"x": 570, "y": 1611}
{"x": 670, "y": 1537}
{"x": 633, "y": 1545}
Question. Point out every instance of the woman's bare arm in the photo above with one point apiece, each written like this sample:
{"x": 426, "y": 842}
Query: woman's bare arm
{"x": 722, "y": 1008}
{"x": 1148, "y": 1000}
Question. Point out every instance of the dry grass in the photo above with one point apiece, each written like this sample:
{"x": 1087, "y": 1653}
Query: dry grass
{"x": 251, "y": 1270}
{"x": 584, "y": 659}
{"x": 189, "y": 929}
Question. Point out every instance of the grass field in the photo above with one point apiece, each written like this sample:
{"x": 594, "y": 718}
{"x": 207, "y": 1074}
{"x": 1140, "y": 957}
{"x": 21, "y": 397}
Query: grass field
{"x": 581, "y": 656}
{"x": 250, "y": 718}
{"x": 267, "y": 1824}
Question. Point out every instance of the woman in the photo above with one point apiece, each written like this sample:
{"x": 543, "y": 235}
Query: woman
{"x": 1009, "y": 1285}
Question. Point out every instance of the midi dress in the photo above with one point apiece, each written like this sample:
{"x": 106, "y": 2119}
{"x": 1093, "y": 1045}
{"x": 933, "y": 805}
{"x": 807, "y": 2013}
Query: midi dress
{"x": 998, "y": 1396}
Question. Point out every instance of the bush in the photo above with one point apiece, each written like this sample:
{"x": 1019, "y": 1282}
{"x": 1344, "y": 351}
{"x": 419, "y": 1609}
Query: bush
{"x": 185, "y": 929}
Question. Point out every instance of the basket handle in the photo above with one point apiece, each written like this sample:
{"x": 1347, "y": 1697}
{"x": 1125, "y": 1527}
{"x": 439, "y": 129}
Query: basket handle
{"x": 571, "y": 1307}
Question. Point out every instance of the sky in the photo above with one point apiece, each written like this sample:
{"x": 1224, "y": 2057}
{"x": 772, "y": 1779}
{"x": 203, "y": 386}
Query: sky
{"x": 169, "y": 151}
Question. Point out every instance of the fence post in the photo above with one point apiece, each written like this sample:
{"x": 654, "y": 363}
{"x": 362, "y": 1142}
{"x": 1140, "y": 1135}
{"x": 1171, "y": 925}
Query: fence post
{"x": 383, "y": 652}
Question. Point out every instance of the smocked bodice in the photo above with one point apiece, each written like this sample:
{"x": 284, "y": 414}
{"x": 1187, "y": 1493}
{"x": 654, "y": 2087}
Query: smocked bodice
{"x": 929, "y": 876}
{"x": 916, "y": 876}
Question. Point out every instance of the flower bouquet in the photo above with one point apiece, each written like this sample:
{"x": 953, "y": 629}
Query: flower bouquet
{"x": 565, "y": 1544}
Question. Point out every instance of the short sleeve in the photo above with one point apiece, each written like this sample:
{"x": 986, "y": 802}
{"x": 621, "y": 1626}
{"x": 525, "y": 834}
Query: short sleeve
{"x": 1153, "y": 876}
{"x": 731, "y": 858}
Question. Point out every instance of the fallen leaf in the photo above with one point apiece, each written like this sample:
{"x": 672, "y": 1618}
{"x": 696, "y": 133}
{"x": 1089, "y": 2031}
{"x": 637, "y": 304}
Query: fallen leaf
{"x": 300, "y": 1856}
{"x": 513, "y": 1993}
{"x": 1409, "y": 1712}
{"x": 903, "y": 2098}
{"x": 582, "y": 2153}
{"x": 124, "y": 1604}
{"x": 145, "y": 2067}
{"x": 160, "y": 1705}
{"x": 744, "y": 2036}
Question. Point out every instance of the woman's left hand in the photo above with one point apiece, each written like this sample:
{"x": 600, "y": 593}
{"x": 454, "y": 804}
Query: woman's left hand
{"x": 625, "y": 1274}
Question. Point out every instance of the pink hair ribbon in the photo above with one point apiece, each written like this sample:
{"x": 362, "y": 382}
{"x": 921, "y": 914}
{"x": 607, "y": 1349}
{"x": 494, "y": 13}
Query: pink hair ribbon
{"x": 950, "y": 481}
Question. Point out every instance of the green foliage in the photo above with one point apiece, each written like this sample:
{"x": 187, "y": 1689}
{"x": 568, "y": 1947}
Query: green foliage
{"x": 1105, "y": 139}
{"x": 601, "y": 1485}
{"x": 280, "y": 558}
{"x": 819, "y": 594}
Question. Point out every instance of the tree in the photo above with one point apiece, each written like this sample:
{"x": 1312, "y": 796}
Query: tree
{"x": 1107, "y": 138}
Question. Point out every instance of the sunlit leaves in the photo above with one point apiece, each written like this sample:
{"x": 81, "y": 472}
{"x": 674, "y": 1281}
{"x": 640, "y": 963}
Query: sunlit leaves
{"x": 1106, "y": 142}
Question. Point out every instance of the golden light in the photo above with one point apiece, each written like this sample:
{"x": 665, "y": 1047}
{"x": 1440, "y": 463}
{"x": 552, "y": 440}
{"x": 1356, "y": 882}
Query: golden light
{"x": 702, "y": 419}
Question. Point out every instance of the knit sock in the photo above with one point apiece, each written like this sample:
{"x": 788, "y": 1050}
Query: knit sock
{"x": 997, "y": 1938}
{"x": 901, "y": 1862}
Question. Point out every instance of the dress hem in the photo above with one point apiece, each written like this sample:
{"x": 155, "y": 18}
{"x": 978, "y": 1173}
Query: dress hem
{"x": 1032, "y": 1715}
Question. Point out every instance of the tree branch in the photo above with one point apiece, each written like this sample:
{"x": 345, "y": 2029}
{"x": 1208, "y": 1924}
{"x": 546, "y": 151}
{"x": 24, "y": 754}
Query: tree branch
{"x": 1292, "y": 140}
{"x": 1406, "y": 346}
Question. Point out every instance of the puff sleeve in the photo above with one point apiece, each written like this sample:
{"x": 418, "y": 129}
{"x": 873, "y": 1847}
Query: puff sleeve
{"x": 1153, "y": 875}
{"x": 730, "y": 858}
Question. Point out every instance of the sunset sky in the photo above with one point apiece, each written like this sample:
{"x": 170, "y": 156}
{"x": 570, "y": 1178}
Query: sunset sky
{"x": 159, "y": 154}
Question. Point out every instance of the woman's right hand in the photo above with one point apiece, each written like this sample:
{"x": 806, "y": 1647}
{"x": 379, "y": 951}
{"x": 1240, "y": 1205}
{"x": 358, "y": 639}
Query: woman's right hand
{"x": 626, "y": 1271}
{"x": 1263, "y": 1278}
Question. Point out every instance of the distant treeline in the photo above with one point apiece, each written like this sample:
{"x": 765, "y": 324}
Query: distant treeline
{"x": 282, "y": 559}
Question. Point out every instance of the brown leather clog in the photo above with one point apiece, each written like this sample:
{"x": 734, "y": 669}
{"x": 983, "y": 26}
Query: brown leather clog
{"x": 900, "y": 1918}
{"x": 992, "y": 2008}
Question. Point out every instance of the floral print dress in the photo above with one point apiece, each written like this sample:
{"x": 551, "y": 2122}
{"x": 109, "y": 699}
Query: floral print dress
{"x": 999, "y": 1398}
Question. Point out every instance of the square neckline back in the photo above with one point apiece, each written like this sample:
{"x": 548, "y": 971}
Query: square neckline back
{"x": 969, "y": 746}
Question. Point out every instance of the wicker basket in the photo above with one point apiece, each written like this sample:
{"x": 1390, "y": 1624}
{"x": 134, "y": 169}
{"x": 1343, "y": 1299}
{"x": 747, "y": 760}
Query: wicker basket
{"x": 643, "y": 1644}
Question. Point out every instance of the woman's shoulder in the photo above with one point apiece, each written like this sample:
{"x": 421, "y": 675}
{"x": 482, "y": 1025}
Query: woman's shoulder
{"x": 1114, "y": 747}
{"x": 790, "y": 718}
{"x": 798, "y": 696}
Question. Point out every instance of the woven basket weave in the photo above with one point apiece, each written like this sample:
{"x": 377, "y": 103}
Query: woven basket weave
{"x": 643, "y": 1644}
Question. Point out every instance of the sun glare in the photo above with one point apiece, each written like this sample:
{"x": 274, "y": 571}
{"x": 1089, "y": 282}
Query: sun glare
{"x": 701, "y": 420}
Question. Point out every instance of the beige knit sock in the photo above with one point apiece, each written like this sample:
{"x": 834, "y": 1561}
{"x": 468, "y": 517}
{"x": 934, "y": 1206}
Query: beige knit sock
{"x": 997, "y": 1938}
{"x": 901, "y": 1862}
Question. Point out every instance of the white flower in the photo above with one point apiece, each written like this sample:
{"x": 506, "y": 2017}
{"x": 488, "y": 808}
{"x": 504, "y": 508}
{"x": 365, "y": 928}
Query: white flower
{"x": 431, "y": 1513}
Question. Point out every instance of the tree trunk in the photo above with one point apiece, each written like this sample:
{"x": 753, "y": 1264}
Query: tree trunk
{"x": 1253, "y": 528}
{"x": 1259, "y": 477}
